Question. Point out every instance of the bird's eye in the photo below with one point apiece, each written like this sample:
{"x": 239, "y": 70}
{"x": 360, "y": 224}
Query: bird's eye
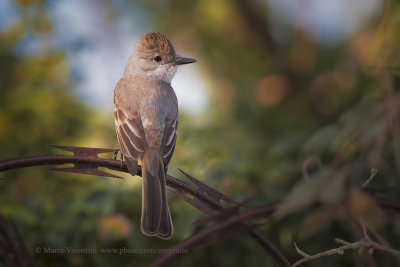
{"x": 157, "y": 58}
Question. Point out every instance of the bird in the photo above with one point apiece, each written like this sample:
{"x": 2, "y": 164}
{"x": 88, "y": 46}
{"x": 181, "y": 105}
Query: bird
{"x": 146, "y": 122}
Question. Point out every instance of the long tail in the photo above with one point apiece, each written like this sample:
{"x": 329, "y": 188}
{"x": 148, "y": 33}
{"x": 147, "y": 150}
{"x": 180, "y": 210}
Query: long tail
{"x": 156, "y": 219}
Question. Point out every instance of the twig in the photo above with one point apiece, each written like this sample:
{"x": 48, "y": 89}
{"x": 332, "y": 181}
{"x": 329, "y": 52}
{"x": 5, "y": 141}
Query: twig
{"x": 339, "y": 250}
{"x": 365, "y": 243}
{"x": 373, "y": 173}
{"x": 376, "y": 245}
{"x": 302, "y": 253}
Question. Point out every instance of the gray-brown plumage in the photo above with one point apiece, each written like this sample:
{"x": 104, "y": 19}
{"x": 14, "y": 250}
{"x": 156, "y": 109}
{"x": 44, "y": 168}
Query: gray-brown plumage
{"x": 146, "y": 120}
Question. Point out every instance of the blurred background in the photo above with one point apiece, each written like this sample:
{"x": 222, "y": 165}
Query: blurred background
{"x": 282, "y": 91}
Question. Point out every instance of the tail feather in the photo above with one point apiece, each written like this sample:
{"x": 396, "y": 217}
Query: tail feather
{"x": 156, "y": 219}
{"x": 165, "y": 230}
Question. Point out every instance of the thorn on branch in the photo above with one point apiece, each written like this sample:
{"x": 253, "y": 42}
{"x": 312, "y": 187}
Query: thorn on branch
{"x": 86, "y": 168}
{"x": 208, "y": 190}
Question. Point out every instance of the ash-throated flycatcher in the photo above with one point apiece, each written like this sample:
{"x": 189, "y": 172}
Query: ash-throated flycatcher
{"x": 146, "y": 120}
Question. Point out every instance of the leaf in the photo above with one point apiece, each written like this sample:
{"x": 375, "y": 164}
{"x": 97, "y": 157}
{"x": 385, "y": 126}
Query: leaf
{"x": 326, "y": 186}
{"x": 320, "y": 139}
{"x": 363, "y": 206}
{"x": 333, "y": 192}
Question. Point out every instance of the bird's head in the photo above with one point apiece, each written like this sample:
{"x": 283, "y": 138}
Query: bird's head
{"x": 154, "y": 56}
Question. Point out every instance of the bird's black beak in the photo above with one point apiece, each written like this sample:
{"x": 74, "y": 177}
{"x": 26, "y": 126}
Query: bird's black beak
{"x": 183, "y": 60}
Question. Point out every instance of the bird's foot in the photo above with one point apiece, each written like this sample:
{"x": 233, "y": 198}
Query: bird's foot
{"x": 116, "y": 155}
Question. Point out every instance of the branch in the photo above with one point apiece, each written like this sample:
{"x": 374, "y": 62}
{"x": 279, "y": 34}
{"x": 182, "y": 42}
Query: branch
{"x": 12, "y": 246}
{"x": 373, "y": 173}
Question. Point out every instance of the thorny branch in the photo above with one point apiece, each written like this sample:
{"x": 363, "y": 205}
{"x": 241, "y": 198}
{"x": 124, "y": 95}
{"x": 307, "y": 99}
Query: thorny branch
{"x": 205, "y": 198}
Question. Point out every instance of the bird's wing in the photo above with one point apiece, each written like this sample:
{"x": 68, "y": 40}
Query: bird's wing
{"x": 130, "y": 133}
{"x": 169, "y": 140}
